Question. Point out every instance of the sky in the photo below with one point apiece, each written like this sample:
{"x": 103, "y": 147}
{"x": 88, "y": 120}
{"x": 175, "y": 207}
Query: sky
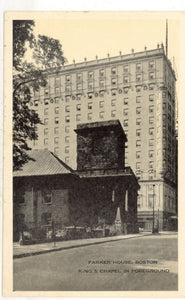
{"x": 89, "y": 34}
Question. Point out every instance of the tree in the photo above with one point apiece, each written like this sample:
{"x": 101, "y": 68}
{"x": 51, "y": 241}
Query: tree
{"x": 28, "y": 77}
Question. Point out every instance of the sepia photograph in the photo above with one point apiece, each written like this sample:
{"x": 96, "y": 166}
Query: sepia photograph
{"x": 94, "y": 151}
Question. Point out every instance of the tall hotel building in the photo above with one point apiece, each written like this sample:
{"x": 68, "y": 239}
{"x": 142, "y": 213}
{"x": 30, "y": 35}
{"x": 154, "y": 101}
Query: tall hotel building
{"x": 139, "y": 90}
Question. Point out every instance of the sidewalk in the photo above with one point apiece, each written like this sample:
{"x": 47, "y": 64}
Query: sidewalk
{"x": 36, "y": 249}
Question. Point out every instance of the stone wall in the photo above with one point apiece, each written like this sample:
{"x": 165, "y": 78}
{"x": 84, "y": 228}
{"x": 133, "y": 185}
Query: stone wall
{"x": 102, "y": 150}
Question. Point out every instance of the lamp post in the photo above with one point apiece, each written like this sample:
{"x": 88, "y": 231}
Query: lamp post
{"x": 153, "y": 223}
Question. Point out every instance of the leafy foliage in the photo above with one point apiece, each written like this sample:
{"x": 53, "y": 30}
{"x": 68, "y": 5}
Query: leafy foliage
{"x": 27, "y": 78}
{"x": 48, "y": 53}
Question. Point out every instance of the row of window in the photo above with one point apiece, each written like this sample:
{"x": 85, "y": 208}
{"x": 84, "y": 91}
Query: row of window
{"x": 150, "y": 154}
{"x": 90, "y": 74}
{"x": 150, "y": 165}
{"x": 90, "y": 95}
{"x": 102, "y": 114}
{"x": 113, "y": 102}
{"x": 79, "y": 86}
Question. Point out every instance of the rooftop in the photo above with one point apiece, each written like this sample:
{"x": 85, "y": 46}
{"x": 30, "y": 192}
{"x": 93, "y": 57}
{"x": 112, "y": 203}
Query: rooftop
{"x": 44, "y": 163}
{"x": 104, "y": 125}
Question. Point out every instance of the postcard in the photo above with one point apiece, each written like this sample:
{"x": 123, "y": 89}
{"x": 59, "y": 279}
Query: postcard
{"x": 93, "y": 135}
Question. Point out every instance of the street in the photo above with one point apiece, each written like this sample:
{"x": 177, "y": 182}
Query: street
{"x": 147, "y": 263}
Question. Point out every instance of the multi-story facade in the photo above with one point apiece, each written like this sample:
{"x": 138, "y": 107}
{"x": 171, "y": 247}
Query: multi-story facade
{"x": 139, "y": 90}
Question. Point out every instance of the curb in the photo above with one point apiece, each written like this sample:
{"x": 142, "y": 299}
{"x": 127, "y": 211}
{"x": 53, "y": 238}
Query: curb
{"x": 16, "y": 256}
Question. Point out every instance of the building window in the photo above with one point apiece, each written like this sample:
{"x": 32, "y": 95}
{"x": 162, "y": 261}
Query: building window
{"x": 113, "y": 70}
{"x": 67, "y": 159}
{"x": 125, "y": 90}
{"x": 56, "y": 130}
{"x": 138, "y": 154}
{"x": 151, "y": 153}
{"x": 151, "y": 98}
{"x": 90, "y": 86}
{"x": 138, "y": 143}
{"x": 90, "y": 105}
{"x": 138, "y": 67}
{"x": 56, "y": 140}
{"x": 138, "y": 121}
{"x": 67, "y": 149}
{"x": 113, "y": 113}
{"x": 90, "y": 95}
{"x": 46, "y": 101}
{"x": 151, "y": 64}
{"x": 113, "y": 92}
{"x": 164, "y": 95}
{"x": 46, "y": 219}
{"x": 138, "y": 110}
{"x": 151, "y": 87}
{"x": 57, "y": 91}
{"x": 138, "y": 165}
{"x": 151, "y": 142}
{"x": 125, "y": 80}
{"x": 45, "y": 141}
{"x": 68, "y": 88}
{"x": 78, "y": 96}
{"x": 101, "y": 114}
{"x": 56, "y": 151}
{"x": 125, "y": 111}
{"x": 151, "y": 120}
{"x": 138, "y": 77}
{"x": 138, "y": 99}
{"x": 67, "y": 139}
{"x": 67, "y": 98}
{"x": 169, "y": 107}
{"x": 125, "y": 101}
{"x": 78, "y": 107}
{"x": 89, "y": 116}
{"x": 46, "y": 130}
{"x": 56, "y": 100}
{"x": 36, "y": 102}
{"x": 46, "y": 111}
{"x": 46, "y": 92}
{"x": 151, "y": 131}
{"x": 102, "y": 72}
{"x": 113, "y": 81}
{"x": 125, "y": 68}
{"x": 78, "y": 117}
{"x": 36, "y": 94}
{"x": 151, "y": 76}
{"x": 57, "y": 81}
{"x": 102, "y": 83}
{"x": 138, "y": 132}
{"x": 67, "y": 108}
{"x": 67, "y": 128}
{"x": 125, "y": 123}
{"x": 57, "y": 110}
{"x": 46, "y": 121}
{"x": 101, "y": 93}
{"x": 79, "y": 86}
{"x": 68, "y": 78}
{"x": 67, "y": 119}
{"x": 151, "y": 109}
{"x": 79, "y": 76}
{"x": 151, "y": 164}
{"x": 101, "y": 104}
{"x": 56, "y": 120}
{"x": 47, "y": 196}
{"x": 138, "y": 88}
{"x": 113, "y": 102}
{"x": 150, "y": 200}
{"x": 90, "y": 75}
